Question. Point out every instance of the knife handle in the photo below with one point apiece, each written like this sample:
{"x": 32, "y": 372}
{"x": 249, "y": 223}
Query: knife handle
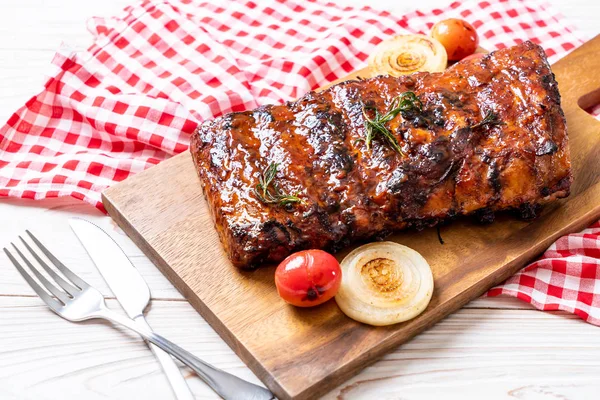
{"x": 228, "y": 386}
{"x": 171, "y": 370}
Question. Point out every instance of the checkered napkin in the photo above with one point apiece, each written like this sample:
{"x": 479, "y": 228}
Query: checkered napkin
{"x": 566, "y": 277}
{"x": 154, "y": 71}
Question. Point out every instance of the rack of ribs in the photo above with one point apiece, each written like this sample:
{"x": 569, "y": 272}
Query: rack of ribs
{"x": 484, "y": 136}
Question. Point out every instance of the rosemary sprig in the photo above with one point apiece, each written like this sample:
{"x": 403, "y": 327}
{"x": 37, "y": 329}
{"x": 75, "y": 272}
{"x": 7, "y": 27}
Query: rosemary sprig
{"x": 269, "y": 192}
{"x": 406, "y": 102}
{"x": 490, "y": 119}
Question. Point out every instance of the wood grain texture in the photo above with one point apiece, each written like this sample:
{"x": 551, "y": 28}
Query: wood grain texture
{"x": 504, "y": 342}
{"x": 467, "y": 355}
{"x": 45, "y": 357}
{"x": 303, "y": 353}
{"x": 48, "y": 220}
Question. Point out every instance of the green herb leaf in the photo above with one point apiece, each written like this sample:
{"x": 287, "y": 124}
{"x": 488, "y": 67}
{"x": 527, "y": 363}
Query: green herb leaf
{"x": 490, "y": 119}
{"x": 269, "y": 192}
{"x": 406, "y": 102}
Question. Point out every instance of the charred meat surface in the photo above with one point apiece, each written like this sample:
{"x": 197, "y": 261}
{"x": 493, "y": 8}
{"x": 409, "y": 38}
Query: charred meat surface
{"x": 487, "y": 135}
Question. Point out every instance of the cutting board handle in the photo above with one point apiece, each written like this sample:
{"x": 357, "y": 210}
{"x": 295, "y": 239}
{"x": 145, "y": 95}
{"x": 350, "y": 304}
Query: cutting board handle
{"x": 578, "y": 76}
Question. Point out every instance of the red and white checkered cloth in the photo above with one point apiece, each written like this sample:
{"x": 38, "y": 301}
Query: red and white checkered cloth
{"x": 566, "y": 277}
{"x": 152, "y": 73}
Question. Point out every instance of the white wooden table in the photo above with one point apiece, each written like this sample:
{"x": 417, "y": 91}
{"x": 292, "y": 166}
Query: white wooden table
{"x": 493, "y": 348}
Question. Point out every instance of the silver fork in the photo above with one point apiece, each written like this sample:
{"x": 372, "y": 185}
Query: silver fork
{"x": 78, "y": 301}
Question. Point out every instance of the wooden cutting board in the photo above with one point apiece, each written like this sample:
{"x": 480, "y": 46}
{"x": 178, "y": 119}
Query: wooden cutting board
{"x": 303, "y": 353}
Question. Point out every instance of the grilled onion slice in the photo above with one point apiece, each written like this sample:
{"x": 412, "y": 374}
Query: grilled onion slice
{"x": 384, "y": 283}
{"x": 405, "y": 54}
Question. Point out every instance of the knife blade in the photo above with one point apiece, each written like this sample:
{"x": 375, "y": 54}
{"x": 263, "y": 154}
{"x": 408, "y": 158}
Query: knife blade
{"x": 129, "y": 287}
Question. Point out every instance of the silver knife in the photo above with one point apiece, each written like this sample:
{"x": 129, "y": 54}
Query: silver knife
{"x": 129, "y": 288}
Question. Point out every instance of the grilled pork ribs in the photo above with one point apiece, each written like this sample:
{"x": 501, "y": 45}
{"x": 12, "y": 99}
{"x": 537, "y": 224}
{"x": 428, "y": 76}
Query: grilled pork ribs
{"x": 368, "y": 157}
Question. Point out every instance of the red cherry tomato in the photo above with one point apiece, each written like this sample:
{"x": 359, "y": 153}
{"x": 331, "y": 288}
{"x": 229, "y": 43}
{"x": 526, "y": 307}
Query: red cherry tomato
{"x": 308, "y": 278}
{"x": 458, "y": 37}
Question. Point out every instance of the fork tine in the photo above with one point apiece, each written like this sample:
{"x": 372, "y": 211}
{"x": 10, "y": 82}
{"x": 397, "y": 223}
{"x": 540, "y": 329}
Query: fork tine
{"x": 51, "y": 288}
{"x": 61, "y": 267}
{"x": 51, "y": 302}
{"x": 66, "y": 286}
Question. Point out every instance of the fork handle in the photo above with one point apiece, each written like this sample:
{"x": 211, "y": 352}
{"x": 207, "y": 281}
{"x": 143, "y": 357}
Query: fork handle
{"x": 226, "y": 385}
{"x": 172, "y": 372}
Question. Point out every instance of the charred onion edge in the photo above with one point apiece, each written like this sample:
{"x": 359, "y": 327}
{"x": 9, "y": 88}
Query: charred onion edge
{"x": 406, "y": 54}
{"x": 384, "y": 283}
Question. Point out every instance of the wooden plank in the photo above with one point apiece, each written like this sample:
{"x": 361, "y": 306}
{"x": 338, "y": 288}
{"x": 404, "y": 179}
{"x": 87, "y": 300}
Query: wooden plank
{"x": 412, "y": 372}
{"x": 303, "y": 353}
{"x": 48, "y": 220}
{"x": 472, "y": 354}
{"x": 43, "y": 356}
